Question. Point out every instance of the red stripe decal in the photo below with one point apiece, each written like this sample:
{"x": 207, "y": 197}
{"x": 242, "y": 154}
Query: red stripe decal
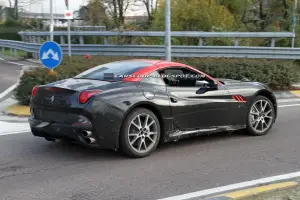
{"x": 239, "y": 98}
{"x": 243, "y": 99}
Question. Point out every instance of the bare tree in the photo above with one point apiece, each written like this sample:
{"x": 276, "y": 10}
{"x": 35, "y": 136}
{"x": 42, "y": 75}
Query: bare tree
{"x": 286, "y": 7}
{"x": 16, "y": 4}
{"x": 150, "y": 6}
{"x": 117, "y": 9}
{"x": 10, "y": 3}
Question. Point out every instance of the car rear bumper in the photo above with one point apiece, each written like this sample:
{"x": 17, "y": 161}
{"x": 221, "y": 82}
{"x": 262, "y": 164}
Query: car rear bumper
{"x": 68, "y": 123}
{"x": 68, "y": 132}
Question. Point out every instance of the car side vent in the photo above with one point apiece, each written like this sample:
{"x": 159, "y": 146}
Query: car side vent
{"x": 239, "y": 98}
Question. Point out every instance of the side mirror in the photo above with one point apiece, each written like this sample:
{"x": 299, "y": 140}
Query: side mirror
{"x": 201, "y": 83}
{"x": 210, "y": 86}
{"x": 202, "y": 90}
{"x": 213, "y": 85}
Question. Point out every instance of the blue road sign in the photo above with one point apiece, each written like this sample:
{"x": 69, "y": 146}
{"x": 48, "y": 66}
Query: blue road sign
{"x": 51, "y": 54}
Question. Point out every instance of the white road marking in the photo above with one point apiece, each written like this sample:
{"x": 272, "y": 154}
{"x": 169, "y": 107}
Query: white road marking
{"x": 290, "y": 105}
{"x": 7, "y": 128}
{"x": 227, "y": 188}
{"x": 288, "y": 100}
{"x": 15, "y": 63}
{"x": 13, "y": 133}
{"x": 7, "y": 91}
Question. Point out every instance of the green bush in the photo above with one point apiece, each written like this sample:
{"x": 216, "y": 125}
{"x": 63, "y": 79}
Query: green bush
{"x": 10, "y": 29}
{"x": 277, "y": 74}
{"x": 10, "y": 33}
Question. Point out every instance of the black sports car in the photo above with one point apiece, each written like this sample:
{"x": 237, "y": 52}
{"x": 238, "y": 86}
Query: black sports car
{"x": 134, "y": 105}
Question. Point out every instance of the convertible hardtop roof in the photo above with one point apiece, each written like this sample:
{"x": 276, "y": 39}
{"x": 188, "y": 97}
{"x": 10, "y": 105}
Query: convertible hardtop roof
{"x": 159, "y": 62}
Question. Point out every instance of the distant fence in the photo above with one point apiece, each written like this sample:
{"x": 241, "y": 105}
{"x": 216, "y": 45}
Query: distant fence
{"x": 32, "y": 42}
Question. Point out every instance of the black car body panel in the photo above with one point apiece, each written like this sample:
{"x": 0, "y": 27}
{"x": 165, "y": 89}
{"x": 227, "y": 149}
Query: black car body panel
{"x": 182, "y": 111}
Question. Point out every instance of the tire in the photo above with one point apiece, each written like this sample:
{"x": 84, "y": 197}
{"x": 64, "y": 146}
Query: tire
{"x": 268, "y": 122}
{"x": 139, "y": 138}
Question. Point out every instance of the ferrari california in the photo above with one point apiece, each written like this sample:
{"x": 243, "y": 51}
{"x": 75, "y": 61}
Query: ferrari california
{"x": 135, "y": 105}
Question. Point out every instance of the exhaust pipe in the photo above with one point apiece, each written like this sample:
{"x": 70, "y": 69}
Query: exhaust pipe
{"x": 86, "y": 133}
{"x": 90, "y": 140}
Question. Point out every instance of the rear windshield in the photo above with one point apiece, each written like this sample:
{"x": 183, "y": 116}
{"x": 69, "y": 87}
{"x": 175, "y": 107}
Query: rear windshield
{"x": 114, "y": 71}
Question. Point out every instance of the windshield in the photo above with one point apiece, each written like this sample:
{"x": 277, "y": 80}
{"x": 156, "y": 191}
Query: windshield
{"x": 114, "y": 71}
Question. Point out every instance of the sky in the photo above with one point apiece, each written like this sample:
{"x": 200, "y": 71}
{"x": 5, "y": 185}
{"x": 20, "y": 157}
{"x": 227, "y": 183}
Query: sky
{"x": 58, "y": 6}
{"x": 43, "y": 6}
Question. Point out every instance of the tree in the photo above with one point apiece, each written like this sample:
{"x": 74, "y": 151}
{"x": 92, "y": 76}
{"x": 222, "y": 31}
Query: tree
{"x": 234, "y": 6}
{"x": 151, "y": 6}
{"x": 16, "y": 4}
{"x": 261, "y": 15}
{"x": 96, "y": 13}
{"x": 117, "y": 9}
{"x": 10, "y": 3}
{"x": 191, "y": 15}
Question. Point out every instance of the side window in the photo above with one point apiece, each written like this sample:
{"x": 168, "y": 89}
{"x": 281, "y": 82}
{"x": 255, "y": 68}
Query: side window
{"x": 154, "y": 78}
{"x": 183, "y": 77}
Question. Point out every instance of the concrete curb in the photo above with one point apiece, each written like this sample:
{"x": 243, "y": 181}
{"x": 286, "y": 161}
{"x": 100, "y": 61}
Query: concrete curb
{"x": 17, "y": 110}
{"x": 255, "y": 191}
{"x": 287, "y": 94}
{"x": 34, "y": 61}
{"x": 296, "y": 92}
{"x": 285, "y": 180}
{"x": 10, "y": 90}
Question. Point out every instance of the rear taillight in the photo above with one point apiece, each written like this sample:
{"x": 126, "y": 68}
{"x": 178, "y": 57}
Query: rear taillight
{"x": 34, "y": 91}
{"x": 86, "y": 95}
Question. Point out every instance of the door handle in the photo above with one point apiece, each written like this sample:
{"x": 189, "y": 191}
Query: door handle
{"x": 173, "y": 100}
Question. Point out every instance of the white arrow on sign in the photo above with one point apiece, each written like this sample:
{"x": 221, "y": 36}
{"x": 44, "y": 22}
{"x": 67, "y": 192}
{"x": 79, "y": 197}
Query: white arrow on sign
{"x": 50, "y": 52}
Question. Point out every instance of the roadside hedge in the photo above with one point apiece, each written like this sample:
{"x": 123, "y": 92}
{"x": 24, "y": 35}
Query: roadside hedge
{"x": 277, "y": 74}
{"x": 10, "y": 33}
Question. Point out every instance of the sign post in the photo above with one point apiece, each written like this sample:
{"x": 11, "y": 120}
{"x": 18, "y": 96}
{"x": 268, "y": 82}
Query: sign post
{"x": 51, "y": 55}
{"x": 294, "y": 22}
{"x": 51, "y": 20}
{"x": 69, "y": 16}
{"x": 168, "y": 29}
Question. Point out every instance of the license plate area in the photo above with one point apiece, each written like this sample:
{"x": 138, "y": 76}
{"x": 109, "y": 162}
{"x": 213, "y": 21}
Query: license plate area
{"x": 55, "y": 116}
{"x": 56, "y": 97}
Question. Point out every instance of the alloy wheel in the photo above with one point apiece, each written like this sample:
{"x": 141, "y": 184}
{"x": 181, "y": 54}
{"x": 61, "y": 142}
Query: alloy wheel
{"x": 261, "y": 116}
{"x": 142, "y": 133}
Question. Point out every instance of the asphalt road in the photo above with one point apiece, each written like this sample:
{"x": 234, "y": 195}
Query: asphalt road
{"x": 9, "y": 74}
{"x": 32, "y": 168}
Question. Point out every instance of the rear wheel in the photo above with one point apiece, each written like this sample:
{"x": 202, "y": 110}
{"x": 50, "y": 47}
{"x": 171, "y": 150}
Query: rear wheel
{"x": 261, "y": 116}
{"x": 140, "y": 133}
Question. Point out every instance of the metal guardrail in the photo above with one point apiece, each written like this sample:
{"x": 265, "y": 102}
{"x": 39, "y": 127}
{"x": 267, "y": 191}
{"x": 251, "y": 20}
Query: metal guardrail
{"x": 32, "y": 41}
{"x": 159, "y": 50}
{"x": 34, "y": 37}
{"x": 198, "y": 34}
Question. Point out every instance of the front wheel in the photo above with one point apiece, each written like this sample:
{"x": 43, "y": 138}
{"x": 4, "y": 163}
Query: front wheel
{"x": 140, "y": 133}
{"x": 260, "y": 116}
